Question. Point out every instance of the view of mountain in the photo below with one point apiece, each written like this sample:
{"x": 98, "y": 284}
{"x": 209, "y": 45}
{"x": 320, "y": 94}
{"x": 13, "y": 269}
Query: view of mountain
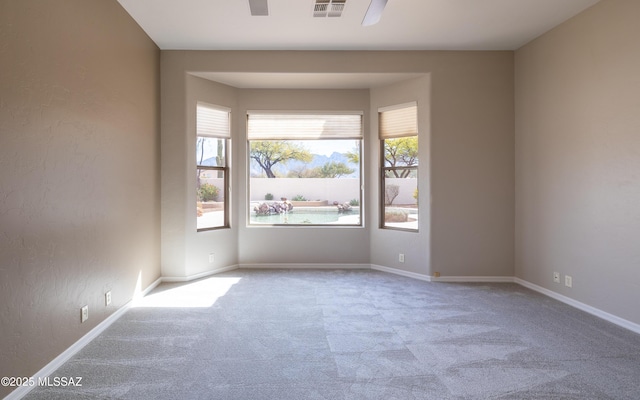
{"x": 283, "y": 169}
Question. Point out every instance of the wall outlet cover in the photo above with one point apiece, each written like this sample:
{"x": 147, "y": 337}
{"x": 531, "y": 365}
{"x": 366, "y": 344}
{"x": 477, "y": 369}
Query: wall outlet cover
{"x": 568, "y": 281}
{"x": 84, "y": 313}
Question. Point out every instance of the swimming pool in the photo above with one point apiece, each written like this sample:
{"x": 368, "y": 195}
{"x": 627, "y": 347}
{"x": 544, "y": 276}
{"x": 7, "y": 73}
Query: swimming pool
{"x": 309, "y": 216}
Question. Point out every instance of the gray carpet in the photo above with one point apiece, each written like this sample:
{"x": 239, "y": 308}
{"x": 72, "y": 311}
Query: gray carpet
{"x": 354, "y": 334}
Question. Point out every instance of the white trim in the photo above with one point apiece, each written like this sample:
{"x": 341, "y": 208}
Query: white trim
{"x": 401, "y": 272}
{"x": 632, "y": 326}
{"x": 57, "y": 362}
{"x": 198, "y": 275}
{"x": 486, "y": 279}
{"x": 304, "y": 266}
{"x": 151, "y": 287}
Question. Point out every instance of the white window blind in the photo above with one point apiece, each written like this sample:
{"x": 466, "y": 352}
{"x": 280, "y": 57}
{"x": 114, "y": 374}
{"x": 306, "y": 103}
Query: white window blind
{"x": 398, "y": 121}
{"x": 212, "y": 121}
{"x": 299, "y": 126}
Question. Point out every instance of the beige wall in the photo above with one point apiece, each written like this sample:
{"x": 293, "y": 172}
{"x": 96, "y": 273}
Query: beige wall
{"x": 79, "y": 172}
{"x": 387, "y": 244}
{"x": 578, "y": 158}
{"x": 470, "y": 152}
{"x": 472, "y": 162}
{"x": 221, "y": 243}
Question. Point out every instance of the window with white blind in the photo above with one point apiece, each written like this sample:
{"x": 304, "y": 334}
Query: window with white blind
{"x": 305, "y": 168}
{"x": 398, "y": 131}
{"x": 213, "y": 129}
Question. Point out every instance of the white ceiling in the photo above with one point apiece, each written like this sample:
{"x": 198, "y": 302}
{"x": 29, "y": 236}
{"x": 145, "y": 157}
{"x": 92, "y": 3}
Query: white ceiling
{"x": 405, "y": 24}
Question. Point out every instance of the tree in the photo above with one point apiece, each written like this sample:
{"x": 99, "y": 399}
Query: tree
{"x": 401, "y": 152}
{"x": 354, "y": 155}
{"x": 390, "y": 193}
{"x": 201, "y": 142}
{"x": 268, "y": 153}
{"x": 303, "y": 172}
{"x": 334, "y": 169}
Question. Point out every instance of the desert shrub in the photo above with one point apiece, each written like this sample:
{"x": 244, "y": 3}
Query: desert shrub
{"x": 396, "y": 216}
{"x": 299, "y": 197}
{"x": 268, "y": 196}
{"x": 208, "y": 192}
{"x": 415, "y": 194}
{"x": 354, "y": 202}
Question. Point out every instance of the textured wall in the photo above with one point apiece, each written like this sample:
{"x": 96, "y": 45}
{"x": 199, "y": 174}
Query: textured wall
{"x": 79, "y": 172}
{"x": 472, "y": 140}
{"x": 578, "y": 158}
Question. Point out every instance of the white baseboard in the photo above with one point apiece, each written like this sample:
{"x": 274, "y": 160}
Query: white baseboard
{"x": 510, "y": 279}
{"x": 57, "y": 362}
{"x": 632, "y": 326}
{"x": 199, "y": 275}
{"x": 459, "y": 279}
{"x": 472, "y": 279}
{"x": 304, "y": 266}
{"x": 151, "y": 287}
{"x": 401, "y": 272}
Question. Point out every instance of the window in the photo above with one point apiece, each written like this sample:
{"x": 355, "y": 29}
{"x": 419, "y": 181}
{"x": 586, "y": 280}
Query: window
{"x": 212, "y": 175}
{"x": 399, "y": 172}
{"x": 304, "y": 169}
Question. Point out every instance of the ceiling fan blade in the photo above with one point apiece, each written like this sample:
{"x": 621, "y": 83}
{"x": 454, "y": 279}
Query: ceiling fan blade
{"x": 374, "y": 12}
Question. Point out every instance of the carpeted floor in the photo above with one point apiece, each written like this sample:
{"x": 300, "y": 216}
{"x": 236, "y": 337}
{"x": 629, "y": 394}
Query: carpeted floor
{"x": 352, "y": 334}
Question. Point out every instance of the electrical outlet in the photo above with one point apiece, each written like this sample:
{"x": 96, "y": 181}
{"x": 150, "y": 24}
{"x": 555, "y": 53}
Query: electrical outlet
{"x": 84, "y": 313}
{"x": 556, "y": 277}
{"x": 212, "y": 258}
{"x": 107, "y": 298}
{"x": 568, "y": 281}
{"x": 401, "y": 257}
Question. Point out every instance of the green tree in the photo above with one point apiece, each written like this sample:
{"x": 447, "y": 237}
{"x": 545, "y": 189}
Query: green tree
{"x": 268, "y": 153}
{"x": 401, "y": 152}
{"x": 354, "y": 155}
{"x": 334, "y": 170}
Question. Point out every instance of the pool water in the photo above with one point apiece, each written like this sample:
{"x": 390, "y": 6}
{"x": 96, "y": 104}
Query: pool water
{"x": 309, "y": 216}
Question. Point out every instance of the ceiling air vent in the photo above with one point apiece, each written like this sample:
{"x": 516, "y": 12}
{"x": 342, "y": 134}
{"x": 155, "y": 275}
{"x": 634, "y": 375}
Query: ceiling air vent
{"x": 259, "y": 8}
{"x": 328, "y": 8}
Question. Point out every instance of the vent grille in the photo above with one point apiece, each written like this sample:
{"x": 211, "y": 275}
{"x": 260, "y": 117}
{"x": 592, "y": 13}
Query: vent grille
{"x": 328, "y": 8}
{"x": 259, "y": 8}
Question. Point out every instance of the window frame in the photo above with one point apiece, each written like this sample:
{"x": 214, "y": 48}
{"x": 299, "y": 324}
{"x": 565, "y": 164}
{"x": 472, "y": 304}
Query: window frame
{"x": 289, "y": 136}
{"x": 402, "y": 128}
{"x": 215, "y": 133}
